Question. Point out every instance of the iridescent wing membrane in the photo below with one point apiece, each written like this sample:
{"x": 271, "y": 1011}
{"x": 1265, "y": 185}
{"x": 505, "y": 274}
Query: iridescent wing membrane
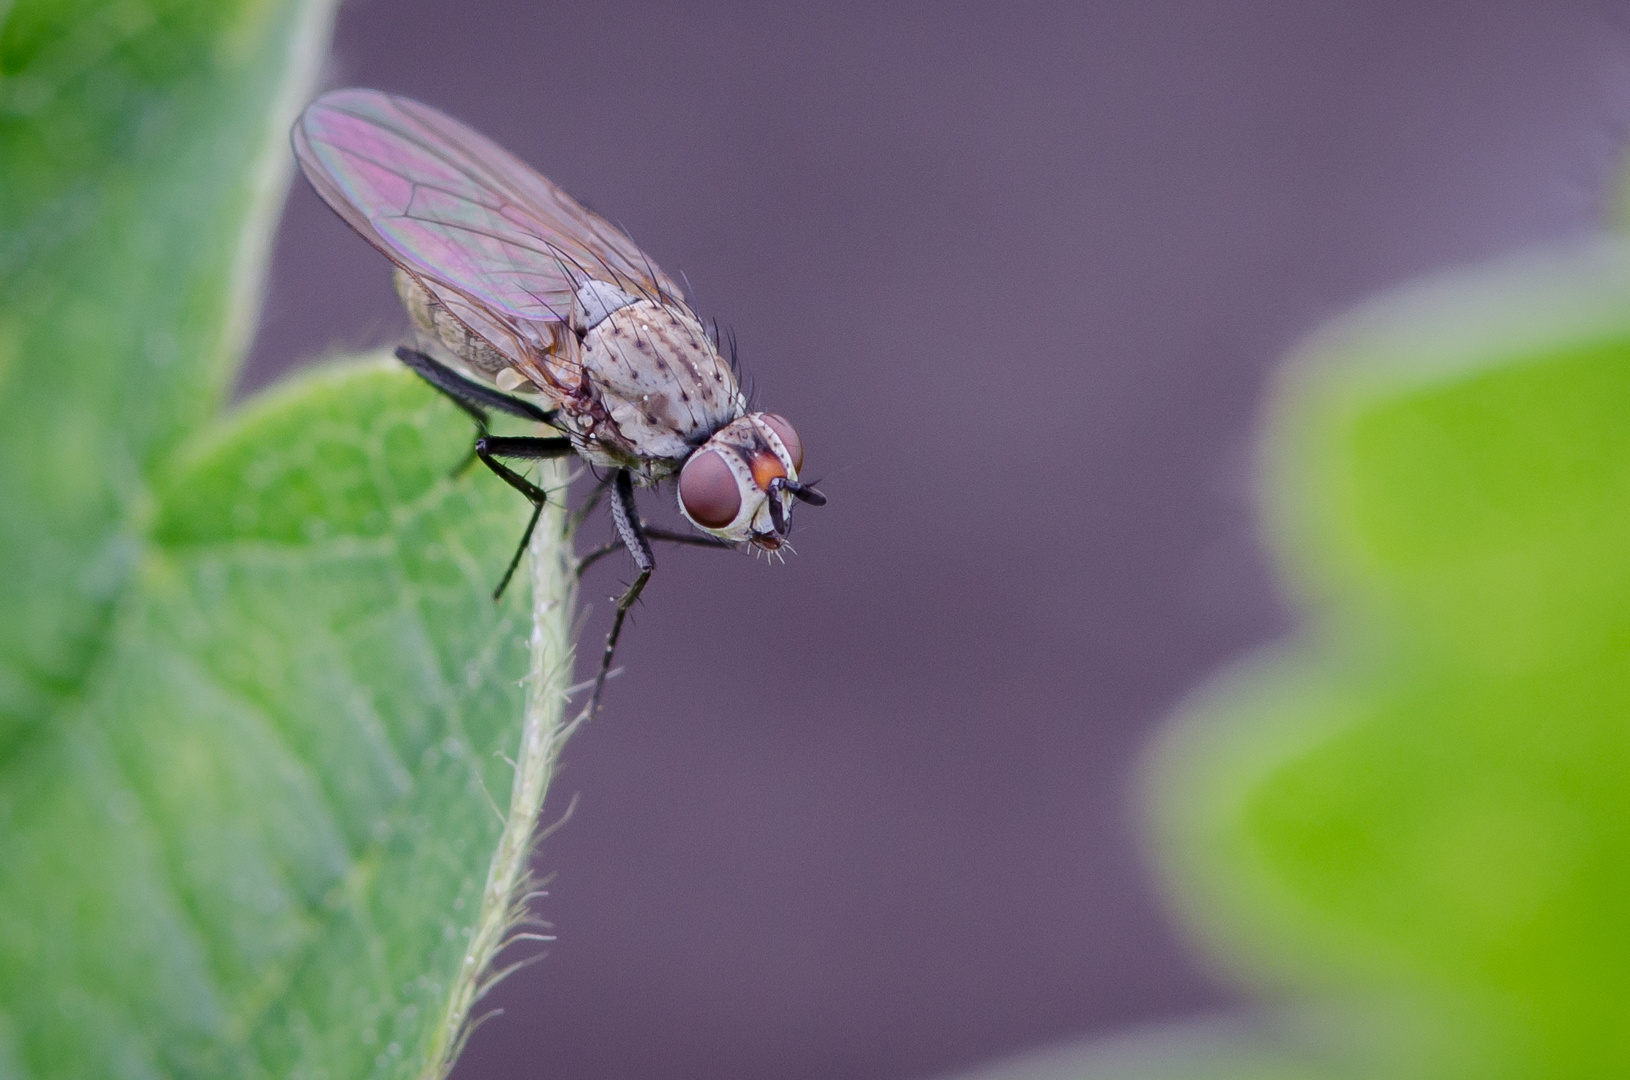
{"x": 500, "y": 246}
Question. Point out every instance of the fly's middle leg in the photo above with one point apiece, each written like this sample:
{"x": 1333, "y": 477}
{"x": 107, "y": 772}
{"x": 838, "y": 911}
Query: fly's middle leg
{"x": 489, "y": 448}
{"x": 471, "y": 396}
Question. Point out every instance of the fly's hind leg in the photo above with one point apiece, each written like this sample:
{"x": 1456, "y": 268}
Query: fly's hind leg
{"x": 489, "y": 448}
{"x": 625, "y": 515}
{"x": 471, "y": 396}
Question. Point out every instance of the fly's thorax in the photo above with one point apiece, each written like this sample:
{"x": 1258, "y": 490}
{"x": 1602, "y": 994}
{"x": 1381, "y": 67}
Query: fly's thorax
{"x": 726, "y": 486}
{"x": 655, "y": 376}
{"x": 594, "y": 300}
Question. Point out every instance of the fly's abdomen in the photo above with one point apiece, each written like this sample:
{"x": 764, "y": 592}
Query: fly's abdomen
{"x": 436, "y": 326}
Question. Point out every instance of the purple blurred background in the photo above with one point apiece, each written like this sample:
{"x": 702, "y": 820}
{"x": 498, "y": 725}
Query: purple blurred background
{"x": 1020, "y": 274}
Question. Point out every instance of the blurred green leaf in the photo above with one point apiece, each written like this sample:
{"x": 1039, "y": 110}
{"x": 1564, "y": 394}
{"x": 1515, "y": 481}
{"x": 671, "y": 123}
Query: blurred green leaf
{"x": 143, "y": 158}
{"x": 1417, "y": 814}
{"x": 257, "y": 810}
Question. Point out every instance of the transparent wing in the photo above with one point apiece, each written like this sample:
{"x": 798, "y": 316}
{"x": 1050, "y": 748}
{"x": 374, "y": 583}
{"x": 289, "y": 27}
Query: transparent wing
{"x": 503, "y": 248}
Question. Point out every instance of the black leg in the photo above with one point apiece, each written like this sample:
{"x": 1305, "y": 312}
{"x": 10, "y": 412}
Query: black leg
{"x": 489, "y": 448}
{"x": 652, "y": 534}
{"x": 597, "y": 554}
{"x": 688, "y": 538}
{"x": 625, "y": 515}
{"x": 469, "y": 395}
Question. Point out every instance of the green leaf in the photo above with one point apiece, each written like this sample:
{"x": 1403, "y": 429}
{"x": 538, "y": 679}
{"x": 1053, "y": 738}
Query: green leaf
{"x": 143, "y": 157}
{"x": 260, "y": 843}
{"x": 258, "y": 809}
{"x": 1417, "y": 813}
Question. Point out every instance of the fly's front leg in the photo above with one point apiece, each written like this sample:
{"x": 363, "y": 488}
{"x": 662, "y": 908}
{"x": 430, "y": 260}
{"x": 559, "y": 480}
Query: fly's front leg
{"x": 625, "y": 515}
{"x": 489, "y": 448}
{"x": 688, "y": 538}
{"x": 652, "y": 534}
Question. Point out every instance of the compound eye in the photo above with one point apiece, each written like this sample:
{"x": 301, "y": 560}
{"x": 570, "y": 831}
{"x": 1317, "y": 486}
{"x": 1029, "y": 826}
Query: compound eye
{"x": 708, "y": 490}
{"x": 789, "y": 438}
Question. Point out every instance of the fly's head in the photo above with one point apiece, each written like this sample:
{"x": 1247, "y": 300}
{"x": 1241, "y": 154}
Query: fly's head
{"x": 740, "y": 485}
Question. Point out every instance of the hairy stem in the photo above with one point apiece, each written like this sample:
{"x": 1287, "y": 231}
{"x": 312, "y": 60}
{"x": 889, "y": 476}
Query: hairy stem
{"x": 544, "y": 731}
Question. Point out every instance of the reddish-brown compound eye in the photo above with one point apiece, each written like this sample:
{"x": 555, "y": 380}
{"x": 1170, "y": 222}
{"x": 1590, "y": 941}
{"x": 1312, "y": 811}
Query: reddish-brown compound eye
{"x": 789, "y": 438}
{"x": 708, "y": 490}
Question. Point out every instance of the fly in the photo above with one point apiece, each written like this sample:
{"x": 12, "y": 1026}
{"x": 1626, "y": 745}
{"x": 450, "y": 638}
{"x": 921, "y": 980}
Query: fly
{"x": 524, "y": 302}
